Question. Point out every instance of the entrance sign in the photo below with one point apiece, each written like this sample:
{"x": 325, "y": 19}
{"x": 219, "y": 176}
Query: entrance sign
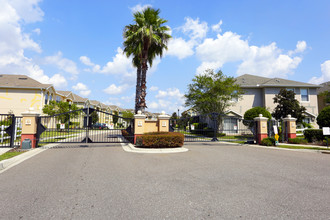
{"x": 326, "y": 130}
{"x": 275, "y": 129}
{"x": 192, "y": 127}
{"x": 62, "y": 126}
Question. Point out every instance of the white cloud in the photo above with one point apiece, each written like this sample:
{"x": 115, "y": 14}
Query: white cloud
{"x": 62, "y": 63}
{"x": 153, "y": 88}
{"x": 82, "y": 89}
{"x": 194, "y": 29}
{"x": 264, "y": 61}
{"x": 170, "y": 93}
{"x": 217, "y": 27}
{"x": 168, "y": 100}
{"x": 85, "y": 60}
{"x": 325, "y": 69}
{"x": 14, "y": 41}
{"x": 37, "y": 31}
{"x": 180, "y": 48}
{"x": 58, "y": 81}
{"x": 115, "y": 90}
{"x": 268, "y": 61}
{"x": 140, "y": 8}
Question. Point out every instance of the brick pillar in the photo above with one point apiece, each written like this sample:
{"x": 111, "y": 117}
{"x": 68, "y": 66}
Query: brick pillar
{"x": 139, "y": 124}
{"x": 29, "y": 127}
{"x": 290, "y": 126}
{"x": 261, "y": 128}
{"x": 163, "y": 123}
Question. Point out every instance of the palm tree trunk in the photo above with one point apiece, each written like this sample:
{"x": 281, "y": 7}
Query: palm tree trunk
{"x": 143, "y": 105}
{"x": 138, "y": 89}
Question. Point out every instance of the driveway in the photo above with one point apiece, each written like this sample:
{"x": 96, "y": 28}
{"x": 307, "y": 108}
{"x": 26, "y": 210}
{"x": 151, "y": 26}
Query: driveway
{"x": 208, "y": 182}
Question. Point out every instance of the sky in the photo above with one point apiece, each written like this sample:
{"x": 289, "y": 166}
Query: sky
{"x": 78, "y": 45}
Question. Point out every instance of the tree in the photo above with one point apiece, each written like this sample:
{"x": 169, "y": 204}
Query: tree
{"x": 145, "y": 40}
{"x": 128, "y": 116}
{"x": 115, "y": 117}
{"x": 250, "y": 114}
{"x": 288, "y": 105}
{"x": 95, "y": 117}
{"x": 56, "y": 108}
{"x": 323, "y": 119}
{"x": 174, "y": 115}
{"x": 212, "y": 93}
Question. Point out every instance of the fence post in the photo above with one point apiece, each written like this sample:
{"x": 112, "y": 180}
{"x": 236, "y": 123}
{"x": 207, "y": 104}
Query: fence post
{"x": 13, "y": 130}
{"x": 262, "y": 129}
{"x": 290, "y": 127}
{"x": 29, "y": 127}
{"x": 139, "y": 123}
{"x": 164, "y": 122}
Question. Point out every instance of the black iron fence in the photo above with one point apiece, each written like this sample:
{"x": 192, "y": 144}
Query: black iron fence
{"x": 213, "y": 127}
{"x": 86, "y": 125}
{"x": 10, "y": 130}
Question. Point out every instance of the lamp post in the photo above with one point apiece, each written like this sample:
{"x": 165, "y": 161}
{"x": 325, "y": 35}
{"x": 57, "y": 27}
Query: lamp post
{"x": 178, "y": 113}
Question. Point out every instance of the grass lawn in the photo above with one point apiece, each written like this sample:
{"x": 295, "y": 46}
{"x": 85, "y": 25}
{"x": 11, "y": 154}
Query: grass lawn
{"x": 57, "y": 133}
{"x": 8, "y": 155}
{"x": 303, "y": 147}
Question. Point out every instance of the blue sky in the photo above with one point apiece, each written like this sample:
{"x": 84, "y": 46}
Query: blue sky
{"x": 77, "y": 45}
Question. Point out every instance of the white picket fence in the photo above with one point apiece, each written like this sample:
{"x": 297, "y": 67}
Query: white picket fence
{"x": 302, "y": 131}
{"x": 3, "y": 132}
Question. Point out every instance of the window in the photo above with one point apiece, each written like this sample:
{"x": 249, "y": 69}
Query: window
{"x": 234, "y": 99}
{"x": 58, "y": 99}
{"x": 230, "y": 125}
{"x": 307, "y": 120}
{"x": 290, "y": 89}
{"x": 46, "y": 99}
{"x": 304, "y": 95}
{"x": 50, "y": 97}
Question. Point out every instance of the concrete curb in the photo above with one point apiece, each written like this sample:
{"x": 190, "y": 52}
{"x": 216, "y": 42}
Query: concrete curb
{"x": 11, "y": 162}
{"x": 128, "y": 147}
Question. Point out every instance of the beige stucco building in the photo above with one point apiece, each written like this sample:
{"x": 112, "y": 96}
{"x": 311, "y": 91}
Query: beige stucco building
{"x": 260, "y": 91}
{"x": 19, "y": 93}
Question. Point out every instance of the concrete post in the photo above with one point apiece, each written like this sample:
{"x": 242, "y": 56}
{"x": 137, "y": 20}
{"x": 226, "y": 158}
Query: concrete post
{"x": 261, "y": 128}
{"x": 290, "y": 127}
{"x": 139, "y": 124}
{"x": 164, "y": 122}
{"x": 29, "y": 127}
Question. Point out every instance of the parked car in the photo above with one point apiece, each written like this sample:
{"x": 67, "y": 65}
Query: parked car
{"x": 99, "y": 126}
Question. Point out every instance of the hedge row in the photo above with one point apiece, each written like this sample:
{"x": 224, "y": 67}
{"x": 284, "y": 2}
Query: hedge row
{"x": 268, "y": 141}
{"x": 314, "y": 135}
{"x": 161, "y": 140}
{"x": 297, "y": 141}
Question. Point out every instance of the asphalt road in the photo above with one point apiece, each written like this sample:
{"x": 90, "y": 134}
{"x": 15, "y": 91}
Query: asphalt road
{"x": 208, "y": 182}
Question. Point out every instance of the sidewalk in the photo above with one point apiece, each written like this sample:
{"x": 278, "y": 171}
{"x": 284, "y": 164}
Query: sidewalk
{"x": 4, "y": 150}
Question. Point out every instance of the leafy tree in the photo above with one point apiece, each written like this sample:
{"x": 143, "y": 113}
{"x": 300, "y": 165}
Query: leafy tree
{"x": 212, "y": 93}
{"x": 288, "y": 105}
{"x": 55, "y": 108}
{"x": 145, "y": 40}
{"x": 128, "y": 116}
{"x": 323, "y": 119}
{"x": 115, "y": 117}
{"x": 254, "y": 112}
{"x": 95, "y": 117}
{"x": 174, "y": 115}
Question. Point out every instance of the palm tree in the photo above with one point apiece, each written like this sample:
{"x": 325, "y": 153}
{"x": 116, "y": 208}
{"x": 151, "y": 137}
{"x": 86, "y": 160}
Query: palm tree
{"x": 145, "y": 40}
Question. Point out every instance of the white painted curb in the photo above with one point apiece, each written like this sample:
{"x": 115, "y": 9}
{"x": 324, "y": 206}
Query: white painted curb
{"x": 128, "y": 147}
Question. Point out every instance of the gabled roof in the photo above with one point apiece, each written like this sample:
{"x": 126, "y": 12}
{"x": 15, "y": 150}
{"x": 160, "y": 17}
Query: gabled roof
{"x": 77, "y": 98}
{"x": 251, "y": 81}
{"x": 94, "y": 102}
{"x": 21, "y": 81}
{"x": 63, "y": 93}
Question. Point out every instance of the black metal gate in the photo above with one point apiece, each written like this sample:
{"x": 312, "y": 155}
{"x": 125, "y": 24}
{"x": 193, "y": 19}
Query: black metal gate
{"x": 10, "y": 130}
{"x": 86, "y": 125}
{"x": 211, "y": 127}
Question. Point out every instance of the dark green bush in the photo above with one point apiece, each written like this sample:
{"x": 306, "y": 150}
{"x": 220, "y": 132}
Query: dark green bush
{"x": 199, "y": 128}
{"x": 297, "y": 141}
{"x": 323, "y": 119}
{"x": 128, "y": 136}
{"x": 314, "y": 135}
{"x": 162, "y": 139}
{"x": 268, "y": 142}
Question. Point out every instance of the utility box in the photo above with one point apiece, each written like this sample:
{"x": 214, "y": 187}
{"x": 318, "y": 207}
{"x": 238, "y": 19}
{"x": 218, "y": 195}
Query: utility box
{"x": 26, "y": 144}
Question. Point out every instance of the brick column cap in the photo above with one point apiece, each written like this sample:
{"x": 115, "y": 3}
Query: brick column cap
{"x": 289, "y": 118}
{"x": 163, "y": 116}
{"x": 139, "y": 115}
{"x": 30, "y": 112}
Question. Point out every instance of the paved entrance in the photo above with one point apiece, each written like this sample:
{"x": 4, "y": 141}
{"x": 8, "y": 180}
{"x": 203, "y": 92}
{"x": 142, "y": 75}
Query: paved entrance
{"x": 208, "y": 182}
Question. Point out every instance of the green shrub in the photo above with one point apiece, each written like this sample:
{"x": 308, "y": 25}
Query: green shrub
{"x": 323, "y": 119}
{"x": 199, "y": 128}
{"x": 314, "y": 135}
{"x": 128, "y": 136}
{"x": 297, "y": 141}
{"x": 162, "y": 139}
{"x": 268, "y": 142}
{"x": 250, "y": 114}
